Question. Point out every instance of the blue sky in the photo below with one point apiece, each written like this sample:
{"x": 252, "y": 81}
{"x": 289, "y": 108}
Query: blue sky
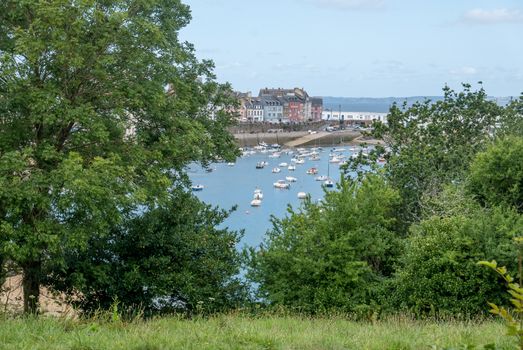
{"x": 372, "y": 48}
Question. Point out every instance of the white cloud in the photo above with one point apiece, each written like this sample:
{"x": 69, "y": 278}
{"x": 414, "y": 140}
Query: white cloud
{"x": 500, "y": 15}
{"x": 464, "y": 71}
{"x": 350, "y": 4}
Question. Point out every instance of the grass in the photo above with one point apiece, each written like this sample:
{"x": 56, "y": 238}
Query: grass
{"x": 239, "y": 332}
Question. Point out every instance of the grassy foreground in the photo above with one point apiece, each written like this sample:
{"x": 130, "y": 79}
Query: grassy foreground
{"x": 238, "y": 332}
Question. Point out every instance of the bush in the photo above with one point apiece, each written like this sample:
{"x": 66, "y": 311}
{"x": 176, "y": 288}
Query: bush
{"x": 496, "y": 175}
{"x": 332, "y": 255}
{"x": 172, "y": 258}
{"x": 438, "y": 274}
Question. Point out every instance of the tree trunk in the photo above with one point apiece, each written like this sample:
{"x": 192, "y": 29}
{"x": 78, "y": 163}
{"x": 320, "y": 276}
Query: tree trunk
{"x": 31, "y": 286}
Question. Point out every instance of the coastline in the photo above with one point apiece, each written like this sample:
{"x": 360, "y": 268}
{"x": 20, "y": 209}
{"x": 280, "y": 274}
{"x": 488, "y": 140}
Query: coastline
{"x": 343, "y": 137}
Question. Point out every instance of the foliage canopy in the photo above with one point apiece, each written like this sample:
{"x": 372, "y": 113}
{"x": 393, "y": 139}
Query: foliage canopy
{"x": 331, "y": 255}
{"x": 101, "y": 108}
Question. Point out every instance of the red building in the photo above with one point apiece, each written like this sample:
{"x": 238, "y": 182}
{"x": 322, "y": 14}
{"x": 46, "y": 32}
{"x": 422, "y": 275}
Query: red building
{"x": 296, "y": 109}
{"x": 316, "y": 108}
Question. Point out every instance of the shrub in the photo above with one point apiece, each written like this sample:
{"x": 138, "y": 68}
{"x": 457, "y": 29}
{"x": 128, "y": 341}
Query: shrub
{"x": 438, "y": 272}
{"x": 332, "y": 255}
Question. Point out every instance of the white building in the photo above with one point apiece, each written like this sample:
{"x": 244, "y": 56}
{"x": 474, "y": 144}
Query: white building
{"x": 354, "y": 117}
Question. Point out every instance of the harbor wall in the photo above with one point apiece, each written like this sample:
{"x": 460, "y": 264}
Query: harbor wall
{"x": 335, "y": 138}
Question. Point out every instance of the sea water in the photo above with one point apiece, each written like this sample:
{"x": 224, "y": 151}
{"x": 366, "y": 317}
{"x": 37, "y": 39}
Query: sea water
{"x": 227, "y": 186}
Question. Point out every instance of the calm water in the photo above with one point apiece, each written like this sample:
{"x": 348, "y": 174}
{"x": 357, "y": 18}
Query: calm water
{"x": 227, "y": 186}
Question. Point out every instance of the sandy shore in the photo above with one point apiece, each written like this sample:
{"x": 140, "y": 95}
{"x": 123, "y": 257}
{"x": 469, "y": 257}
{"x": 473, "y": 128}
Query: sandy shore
{"x": 344, "y": 137}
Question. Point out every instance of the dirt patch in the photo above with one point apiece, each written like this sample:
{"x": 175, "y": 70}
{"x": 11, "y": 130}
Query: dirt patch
{"x": 11, "y": 299}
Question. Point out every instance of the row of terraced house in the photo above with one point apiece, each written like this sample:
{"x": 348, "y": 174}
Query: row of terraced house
{"x": 279, "y": 106}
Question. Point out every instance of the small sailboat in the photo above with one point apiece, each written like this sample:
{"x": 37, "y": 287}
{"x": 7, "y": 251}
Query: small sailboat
{"x": 302, "y": 195}
{"x": 281, "y": 184}
{"x": 283, "y": 165}
{"x": 276, "y": 170}
{"x": 312, "y": 171}
{"x": 300, "y": 161}
{"x": 198, "y": 187}
{"x": 230, "y": 164}
{"x": 260, "y": 165}
{"x": 321, "y": 178}
{"x": 291, "y": 178}
{"x": 328, "y": 183}
{"x": 256, "y": 203}
{"x": 291, "y": 168}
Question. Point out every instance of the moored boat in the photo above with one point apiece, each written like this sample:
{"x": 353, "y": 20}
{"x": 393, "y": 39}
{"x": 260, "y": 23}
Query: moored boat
{"x": 291, "y": 178}
{"x": 281, "y": 184}
{"x": 328, "y": 183}
{"x": 312, "y": 171}
{"x": 276, "y": 170}
{"x": 198, "y": 187}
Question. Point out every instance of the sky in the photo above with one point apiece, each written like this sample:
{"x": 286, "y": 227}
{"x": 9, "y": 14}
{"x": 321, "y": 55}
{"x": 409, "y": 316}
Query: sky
{"x": 361, "y": 48}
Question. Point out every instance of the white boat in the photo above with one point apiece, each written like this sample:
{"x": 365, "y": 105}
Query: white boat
{"x": 302, "y": 195}
{"x": 334, "y": 160}
{"x": 328, "y": 183}
{"x": 260, "y": 165}
{"x": 265, "y": 163}
{"x": 276, "y": 170}
{"x": 230, "y": 164}
{"x": 256, "y": 203}
{"x": 321, "y": 178}
{"x": 275, "y": 155}
{"x": 291, "y": 178}
{"x": 312, "y": 171}
{"x": 281, "y": 184}
{"x": 300, "y": 161}
{"x": 291, "y": 168}
{"x": 197, "y": 187}
{"x": 283, "y": 165}
{"x": 339, "y": 150}
{"x": 258, "y": 194}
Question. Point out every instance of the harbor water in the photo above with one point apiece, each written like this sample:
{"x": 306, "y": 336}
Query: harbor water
{"x": 230, "y": 185}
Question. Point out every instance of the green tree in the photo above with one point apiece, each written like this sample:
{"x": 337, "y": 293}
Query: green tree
{"x": 496, "y": 175}
{"x": 431, "y": 143}
{"x": 171, "y": 258}
{"x": 512, "y": 122}
{"x": 101, "y": 108}
{"x": 332, "y": 255}
{"x": 438, "y": 274}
